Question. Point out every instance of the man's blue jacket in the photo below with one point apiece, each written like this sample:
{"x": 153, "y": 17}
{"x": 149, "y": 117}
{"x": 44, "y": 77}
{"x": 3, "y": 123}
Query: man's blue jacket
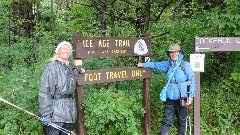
{"x": 180, "y": 78}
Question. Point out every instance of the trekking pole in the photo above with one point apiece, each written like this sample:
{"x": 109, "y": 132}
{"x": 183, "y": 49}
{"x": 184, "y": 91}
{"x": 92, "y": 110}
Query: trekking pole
{"x": 188, "y": 109}
{"x": 39, "y": 118}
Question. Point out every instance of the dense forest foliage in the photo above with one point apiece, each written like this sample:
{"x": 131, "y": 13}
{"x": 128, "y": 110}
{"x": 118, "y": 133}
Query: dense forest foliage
{"x": 30, "y": 29}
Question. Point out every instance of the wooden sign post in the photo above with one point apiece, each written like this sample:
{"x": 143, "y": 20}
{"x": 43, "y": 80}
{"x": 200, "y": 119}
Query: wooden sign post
{"x": 112, "y": 47}
{"x": 210, "y": 44}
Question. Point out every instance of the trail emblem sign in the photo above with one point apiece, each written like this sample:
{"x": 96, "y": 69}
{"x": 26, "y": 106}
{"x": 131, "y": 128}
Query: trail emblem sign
{"x": 140, "y": 47}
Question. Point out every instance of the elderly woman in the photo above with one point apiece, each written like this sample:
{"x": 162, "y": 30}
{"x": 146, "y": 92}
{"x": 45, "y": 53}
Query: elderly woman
{"x": 58, "y": 83}
{"x": 180, "y": 78}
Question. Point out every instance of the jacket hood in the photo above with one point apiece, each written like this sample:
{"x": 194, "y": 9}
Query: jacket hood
{"x": 180, "y": 58}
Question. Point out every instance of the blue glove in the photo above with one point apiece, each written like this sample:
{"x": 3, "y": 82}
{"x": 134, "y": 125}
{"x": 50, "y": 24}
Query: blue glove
{"x": 46, "y": 120}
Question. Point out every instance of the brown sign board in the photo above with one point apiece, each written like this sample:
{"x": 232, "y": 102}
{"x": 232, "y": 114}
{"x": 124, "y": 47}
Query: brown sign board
{"x": 210, "y": 44}
{"x": 92, "y": 47}
{"x": 112, "y": 47}
{"x": 213, "y": 44}
{"x": 112, "y": 75}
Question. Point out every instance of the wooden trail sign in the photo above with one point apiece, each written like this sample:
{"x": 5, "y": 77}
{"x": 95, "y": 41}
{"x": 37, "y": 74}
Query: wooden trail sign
{"x": 213, "y": 44}
{"x": 112, "y": 75}
{"x": 112, "y": 47}
{"x": 210, "y": 44}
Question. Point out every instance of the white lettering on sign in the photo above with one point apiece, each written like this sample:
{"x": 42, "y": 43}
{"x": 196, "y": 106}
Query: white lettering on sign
{"x": 87, "y": 43}
{"x": 200, "y": 48}
{"x": 122, "y": 43}
{"x": 214, "y": 40}
{"x": 206, "y": 44}
{"x": 238, "y": 41}
{"x": 103, "y": 43}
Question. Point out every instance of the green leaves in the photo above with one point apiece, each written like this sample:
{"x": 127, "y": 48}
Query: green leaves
{"x": 221, "y": 103}
{"x": 112, "y": 112}
{"x": 227, "y": 19}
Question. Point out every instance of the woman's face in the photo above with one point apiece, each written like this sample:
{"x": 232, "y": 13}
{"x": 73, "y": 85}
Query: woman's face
{"x": 64, "y": 52}
{"x": 174, "y": 55}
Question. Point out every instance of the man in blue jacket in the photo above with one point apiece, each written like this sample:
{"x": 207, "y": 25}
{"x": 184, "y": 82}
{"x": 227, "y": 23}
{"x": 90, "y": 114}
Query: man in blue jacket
{"x": 180, "y": 75}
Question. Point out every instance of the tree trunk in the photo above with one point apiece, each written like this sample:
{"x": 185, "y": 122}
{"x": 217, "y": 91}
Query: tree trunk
{"x": 38, "y": 13}
{"x": 27, "y": 18}
{"x": 15, "y": 14}
{"x": 139, "y": 25}
{"x": 52, "y": 18}
{"x": 147, "y": 17}
{"x": 112, "y": 21}
{"x": 103, "y": 17}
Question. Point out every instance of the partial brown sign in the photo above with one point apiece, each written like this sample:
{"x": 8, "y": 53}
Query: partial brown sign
{"x": 112, "y": 75}
{"x": 211, "y": 44}
{"x": 110, "y": 46}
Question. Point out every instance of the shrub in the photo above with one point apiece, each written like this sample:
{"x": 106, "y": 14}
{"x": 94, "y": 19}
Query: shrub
{"x": 113, "y": 112}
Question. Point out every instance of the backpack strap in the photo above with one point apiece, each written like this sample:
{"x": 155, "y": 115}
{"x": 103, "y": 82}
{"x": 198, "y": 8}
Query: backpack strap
{"x": 182, "y": 66}
{"x": 169, "y": 64}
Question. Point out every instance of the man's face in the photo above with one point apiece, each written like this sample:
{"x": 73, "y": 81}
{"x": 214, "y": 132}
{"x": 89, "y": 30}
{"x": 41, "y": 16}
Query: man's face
{"x": 174, "y": 55}
{"x": 64, "y": 52}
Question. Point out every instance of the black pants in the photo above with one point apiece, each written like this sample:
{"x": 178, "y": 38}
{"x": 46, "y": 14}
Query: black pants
{"x": 172, "y": 108}
{"x": 49, "y": 130}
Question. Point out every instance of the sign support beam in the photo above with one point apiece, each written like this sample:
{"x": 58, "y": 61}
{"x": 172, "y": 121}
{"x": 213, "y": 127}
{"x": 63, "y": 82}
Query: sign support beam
{"x": 196, "y": 111}
{"x": 210, "y": 44}
{"x": 80, "y": 115}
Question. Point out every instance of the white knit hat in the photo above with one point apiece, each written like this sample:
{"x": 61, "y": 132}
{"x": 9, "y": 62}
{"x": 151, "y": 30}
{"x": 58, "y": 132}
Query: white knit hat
{"x": 61, "y": 44}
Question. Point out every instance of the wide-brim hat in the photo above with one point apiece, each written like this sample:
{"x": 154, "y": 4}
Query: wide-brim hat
{"x": 174, "y": 48}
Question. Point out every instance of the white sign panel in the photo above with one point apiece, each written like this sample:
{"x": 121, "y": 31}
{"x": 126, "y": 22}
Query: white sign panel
{"x": 140, "y": 47}
{"x": 197, "y": 62}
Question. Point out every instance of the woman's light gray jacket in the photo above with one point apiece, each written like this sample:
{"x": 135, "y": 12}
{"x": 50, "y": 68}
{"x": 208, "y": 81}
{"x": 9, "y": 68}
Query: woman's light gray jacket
{"x": 58, "y": 79}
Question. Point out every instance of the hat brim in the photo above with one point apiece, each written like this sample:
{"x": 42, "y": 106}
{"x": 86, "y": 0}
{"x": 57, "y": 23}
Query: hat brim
{"x": 181, "y": 51}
